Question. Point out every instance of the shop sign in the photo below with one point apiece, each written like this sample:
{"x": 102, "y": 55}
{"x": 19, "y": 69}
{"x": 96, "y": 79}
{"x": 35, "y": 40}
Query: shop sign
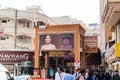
{"x": 90, "y": 44}
{"x": 15, "y": 56}
{"x": 117, "y": 49}
{"x": 77, "y": 63}
{"x": 36, "y": 72}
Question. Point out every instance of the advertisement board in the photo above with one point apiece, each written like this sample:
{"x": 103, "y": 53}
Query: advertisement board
{"x": 63, "y": 41}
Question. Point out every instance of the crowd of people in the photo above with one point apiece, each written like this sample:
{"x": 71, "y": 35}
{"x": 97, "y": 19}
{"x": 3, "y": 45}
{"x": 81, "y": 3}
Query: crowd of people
{"x": 85, "y": 74}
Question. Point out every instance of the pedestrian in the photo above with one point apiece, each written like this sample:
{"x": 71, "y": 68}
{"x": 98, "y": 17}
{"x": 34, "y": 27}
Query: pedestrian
{"x": 82, "y": 76}
{"x": 57, "y": 74}
{"x": 116, "y": 75}
{"x": 102, "y": 76}
{"x": 87, "y": 73}
{"x": 62, "y": 74}
{"x": 107, "y": 76}
{"x": 90, "y": 77}
{"x": 76, "y": 74}
{"x": 51, "y": 72}
{"x": 68, "y": 76}
{"x": 95, "y": 76}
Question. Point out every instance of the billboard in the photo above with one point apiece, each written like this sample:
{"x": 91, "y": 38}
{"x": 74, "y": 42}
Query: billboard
{"x": 63, "y": 41}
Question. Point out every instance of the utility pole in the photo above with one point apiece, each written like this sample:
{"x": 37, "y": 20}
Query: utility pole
{"x": 15, "y": 28}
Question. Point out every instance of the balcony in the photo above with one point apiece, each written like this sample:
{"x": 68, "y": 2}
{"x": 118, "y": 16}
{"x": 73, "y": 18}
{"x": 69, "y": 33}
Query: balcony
{"x": 110, "y": 12}
{"x": 19, "y": 31}
{"x": 25, "y": 31}
{"x": 6, "y": 45}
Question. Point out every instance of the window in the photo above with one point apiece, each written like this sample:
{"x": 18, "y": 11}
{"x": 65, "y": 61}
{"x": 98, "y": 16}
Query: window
{"x": 27, "y": 24}
{"x": 4, "y": 21}
{"x": 24, "y": 39}
{"x": 2, "y": 38}
{"x": 8, "y": 20}
{"x": 7, "y": 37}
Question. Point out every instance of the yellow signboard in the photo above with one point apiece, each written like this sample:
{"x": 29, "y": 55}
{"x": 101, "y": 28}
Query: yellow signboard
{"x": 117, "y": 50}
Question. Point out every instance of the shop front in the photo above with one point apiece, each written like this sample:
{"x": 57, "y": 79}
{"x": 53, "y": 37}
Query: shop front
{"x": 112, "y": 19}
{"x": 58, "y": 46}
{"x": 12, "y": 60}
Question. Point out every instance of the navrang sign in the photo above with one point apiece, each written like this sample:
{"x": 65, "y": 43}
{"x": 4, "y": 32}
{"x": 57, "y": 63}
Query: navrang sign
{"x": 15, "y": 56}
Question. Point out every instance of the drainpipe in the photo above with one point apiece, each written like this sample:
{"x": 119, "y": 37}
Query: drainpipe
{"x": 15, "y": 34}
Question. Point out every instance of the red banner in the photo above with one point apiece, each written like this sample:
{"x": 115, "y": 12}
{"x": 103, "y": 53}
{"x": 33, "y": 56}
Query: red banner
{"x": 15, "y": 56}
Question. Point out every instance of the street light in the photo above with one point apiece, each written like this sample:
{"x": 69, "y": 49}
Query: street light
{"x": 40, "y": 53}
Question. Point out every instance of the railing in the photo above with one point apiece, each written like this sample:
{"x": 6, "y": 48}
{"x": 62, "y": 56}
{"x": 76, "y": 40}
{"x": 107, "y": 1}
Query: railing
{"x": 20, "y": 31}
{"x": 4, "y": 45}
{"x": 25, "y": 30}
{"x": 24, "y": 46}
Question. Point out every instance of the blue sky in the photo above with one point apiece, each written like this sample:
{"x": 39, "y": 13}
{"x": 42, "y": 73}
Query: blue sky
{"x": 84, "y": 10}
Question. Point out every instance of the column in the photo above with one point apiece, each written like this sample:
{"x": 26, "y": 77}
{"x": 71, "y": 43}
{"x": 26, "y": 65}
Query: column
{"x": 46, "y": 62}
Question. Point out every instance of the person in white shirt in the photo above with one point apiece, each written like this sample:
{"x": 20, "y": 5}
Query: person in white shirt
{"x": 76, "y": 73}
{"x": 62, "y": 74}
{"x": 57, "y": 74}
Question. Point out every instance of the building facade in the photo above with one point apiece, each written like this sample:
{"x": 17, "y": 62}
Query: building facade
{"x": 109, "y": 17}
{"x": 17, "y": 35}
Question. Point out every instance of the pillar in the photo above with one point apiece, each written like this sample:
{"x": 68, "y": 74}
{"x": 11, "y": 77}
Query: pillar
{"x": 83, "y": 64}
{"x": 36, "y": 53}
{"x": 46, "y": 62}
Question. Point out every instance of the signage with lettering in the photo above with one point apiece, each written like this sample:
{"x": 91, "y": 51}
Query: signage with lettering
{"x": 90, "y": 44}
{"x": 63, "y": 41}
{"x": 15, "y": 56}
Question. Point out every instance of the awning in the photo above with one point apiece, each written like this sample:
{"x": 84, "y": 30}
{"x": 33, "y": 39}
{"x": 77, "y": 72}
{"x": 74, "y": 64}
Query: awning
{"x": 115, "y": 17}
